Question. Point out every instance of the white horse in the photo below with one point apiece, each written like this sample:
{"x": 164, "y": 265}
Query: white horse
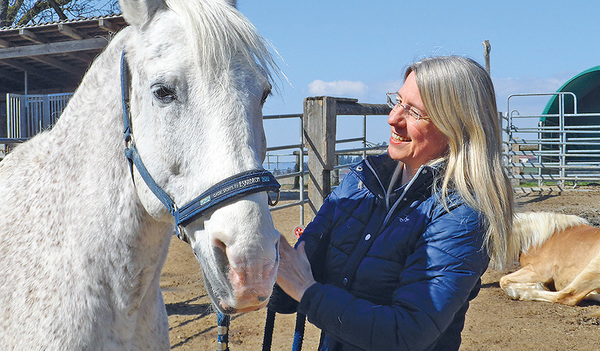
{"x": 82, "y": 237}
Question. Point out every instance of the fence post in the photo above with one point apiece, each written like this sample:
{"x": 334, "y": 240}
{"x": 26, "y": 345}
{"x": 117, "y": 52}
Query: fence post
{"x": 319, "y": 120}
{"x": 46, "y": 118}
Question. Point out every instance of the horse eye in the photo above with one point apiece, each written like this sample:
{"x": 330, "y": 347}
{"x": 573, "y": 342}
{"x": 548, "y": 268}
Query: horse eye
{"x": 266, "y": 94}
{"x": 164, "y": 93}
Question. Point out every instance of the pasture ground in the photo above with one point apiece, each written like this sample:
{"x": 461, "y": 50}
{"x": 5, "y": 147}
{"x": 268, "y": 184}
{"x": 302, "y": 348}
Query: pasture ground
{"x": 494, "y": 321}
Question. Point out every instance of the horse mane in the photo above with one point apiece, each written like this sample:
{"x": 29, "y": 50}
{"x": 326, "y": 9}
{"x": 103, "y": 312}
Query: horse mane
{"x": 216, "y": 44}
{"x": 534, "y": 228}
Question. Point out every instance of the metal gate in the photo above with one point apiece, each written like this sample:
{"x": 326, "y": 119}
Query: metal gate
{"x": 27, "y": 115}
{"x": 552, "y": 149}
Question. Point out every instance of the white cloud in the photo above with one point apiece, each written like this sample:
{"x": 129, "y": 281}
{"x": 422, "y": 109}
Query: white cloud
{"x": 527, "y": 85}
{"x": 507, "y": 86}
{"x": 340, "y": 88}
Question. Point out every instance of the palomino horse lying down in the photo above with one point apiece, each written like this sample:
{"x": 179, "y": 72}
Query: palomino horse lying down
{"x": 85, "y": 227}
{"x": 560, "y": 259}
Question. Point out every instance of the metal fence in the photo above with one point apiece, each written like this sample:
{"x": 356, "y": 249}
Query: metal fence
{"x": 291, "y": 161}
{"x": 297, "y": 155}
{"x": 552, "y": 149}
{"x": 27, "y": 115}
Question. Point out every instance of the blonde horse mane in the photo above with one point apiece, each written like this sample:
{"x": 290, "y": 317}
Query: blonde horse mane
{"x": 532, "y": 229}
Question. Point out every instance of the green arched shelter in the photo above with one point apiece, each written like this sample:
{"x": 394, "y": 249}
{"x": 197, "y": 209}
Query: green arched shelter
{"x": 586, "y": 87}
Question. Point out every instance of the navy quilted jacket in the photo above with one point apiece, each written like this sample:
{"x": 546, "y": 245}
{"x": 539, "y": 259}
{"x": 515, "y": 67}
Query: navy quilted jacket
{"x": 395, "y": 274}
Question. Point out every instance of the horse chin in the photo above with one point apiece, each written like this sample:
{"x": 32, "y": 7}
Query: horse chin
{"x": 220, "y": 302}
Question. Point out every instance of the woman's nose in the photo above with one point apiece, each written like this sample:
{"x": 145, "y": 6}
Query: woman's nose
{"x": 397, "y": 117}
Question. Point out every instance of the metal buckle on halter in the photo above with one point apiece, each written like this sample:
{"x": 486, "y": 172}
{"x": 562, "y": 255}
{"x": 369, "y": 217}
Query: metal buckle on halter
{"x": 181, "y": 235}
{"x": 128, "y": 136}
{"x": 179, "y": 231}
{"x": 271, "y": 201}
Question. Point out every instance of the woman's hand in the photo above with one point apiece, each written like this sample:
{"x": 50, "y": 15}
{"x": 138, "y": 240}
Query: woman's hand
{"x": 295, "y": 274}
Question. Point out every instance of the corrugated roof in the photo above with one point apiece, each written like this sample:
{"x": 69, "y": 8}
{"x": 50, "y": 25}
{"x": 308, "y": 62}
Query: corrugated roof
{"x": 74, "y": 20}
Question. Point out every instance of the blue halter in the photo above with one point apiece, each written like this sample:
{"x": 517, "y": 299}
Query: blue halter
{"x": 239, "y": 185}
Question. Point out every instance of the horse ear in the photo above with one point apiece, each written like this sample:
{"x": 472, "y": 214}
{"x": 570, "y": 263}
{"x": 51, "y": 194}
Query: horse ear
{"x": 139, "y": 12}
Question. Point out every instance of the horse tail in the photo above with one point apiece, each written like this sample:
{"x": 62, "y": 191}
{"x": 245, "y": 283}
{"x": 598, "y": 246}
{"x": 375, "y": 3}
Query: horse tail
{"x": 532, "y": 229}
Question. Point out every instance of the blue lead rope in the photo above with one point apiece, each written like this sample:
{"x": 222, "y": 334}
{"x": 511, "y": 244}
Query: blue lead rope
{"x": 270, "y": 326}
{"x": 268, "y": 334}
{"x": 299, "y": 332}
{"x": 223, "y": 331}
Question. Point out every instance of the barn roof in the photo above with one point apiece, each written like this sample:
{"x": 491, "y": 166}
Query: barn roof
{"x": 55, "y": 55}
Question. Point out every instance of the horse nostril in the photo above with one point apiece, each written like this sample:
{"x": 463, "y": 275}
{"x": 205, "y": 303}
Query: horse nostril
{"x": 220, "y": 254}
{"x": 219, "y": 244}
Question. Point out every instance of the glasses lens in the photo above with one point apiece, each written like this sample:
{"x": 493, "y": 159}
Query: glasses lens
{"x": 413, "y": 113}
{"x": 394, "y": 100}
{"x": 391, "y": 99}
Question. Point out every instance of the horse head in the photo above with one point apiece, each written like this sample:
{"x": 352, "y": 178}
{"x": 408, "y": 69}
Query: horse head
{"x": 199, "y": 76}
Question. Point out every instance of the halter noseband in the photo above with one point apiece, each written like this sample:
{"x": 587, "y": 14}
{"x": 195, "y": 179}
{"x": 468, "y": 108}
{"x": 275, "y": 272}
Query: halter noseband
{"x": 239, "y": 185}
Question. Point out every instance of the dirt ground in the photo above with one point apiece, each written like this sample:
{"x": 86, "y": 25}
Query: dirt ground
{"x": 494, "y": 321}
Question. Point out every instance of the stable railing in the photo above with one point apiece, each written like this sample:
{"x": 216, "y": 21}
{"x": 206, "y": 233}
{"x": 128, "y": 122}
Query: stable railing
{"x": 27, "y": 115}
{"x": 299, "y": 171}
{"x": 552, "y": 149}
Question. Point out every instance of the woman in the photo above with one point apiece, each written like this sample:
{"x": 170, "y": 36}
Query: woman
{"x": 397, "y": 250}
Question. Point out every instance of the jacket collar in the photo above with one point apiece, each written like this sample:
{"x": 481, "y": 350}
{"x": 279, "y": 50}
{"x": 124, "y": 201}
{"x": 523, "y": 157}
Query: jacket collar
{"x": 375, "y": 172}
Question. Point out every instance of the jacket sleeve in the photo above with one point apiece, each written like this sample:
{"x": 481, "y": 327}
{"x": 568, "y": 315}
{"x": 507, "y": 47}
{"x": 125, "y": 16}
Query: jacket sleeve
{"x": 435, "y": 284}
{"x": 316, "y": 231}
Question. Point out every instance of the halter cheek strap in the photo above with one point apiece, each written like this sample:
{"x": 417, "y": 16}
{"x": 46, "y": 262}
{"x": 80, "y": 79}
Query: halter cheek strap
{"x": 239, "y": 185}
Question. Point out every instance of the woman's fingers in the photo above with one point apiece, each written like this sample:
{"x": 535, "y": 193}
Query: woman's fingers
{"x": 295, "y": 275}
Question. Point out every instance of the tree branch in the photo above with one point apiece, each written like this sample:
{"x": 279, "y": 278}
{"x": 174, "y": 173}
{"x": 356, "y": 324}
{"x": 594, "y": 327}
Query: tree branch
{"x": 58, "y": 10}
{"x": 13, "y": 11}
{"x": 24, "y": 12}
{"x": 3, "y": 13}
{"x": 39, "y": 7}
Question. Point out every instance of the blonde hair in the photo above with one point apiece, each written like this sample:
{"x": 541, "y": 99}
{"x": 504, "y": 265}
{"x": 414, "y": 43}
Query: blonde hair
{"x": 459, "y": 97}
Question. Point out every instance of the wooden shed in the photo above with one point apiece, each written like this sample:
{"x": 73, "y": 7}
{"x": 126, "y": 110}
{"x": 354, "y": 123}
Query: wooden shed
{"x": 49, "y": 58}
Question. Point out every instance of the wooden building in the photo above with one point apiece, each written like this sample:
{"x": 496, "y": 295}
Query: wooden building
{"x": 50, "y": 58}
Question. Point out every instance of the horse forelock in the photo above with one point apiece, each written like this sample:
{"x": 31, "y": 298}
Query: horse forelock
{"x": 534, "y": 228}
{"x": 218, "y": 32}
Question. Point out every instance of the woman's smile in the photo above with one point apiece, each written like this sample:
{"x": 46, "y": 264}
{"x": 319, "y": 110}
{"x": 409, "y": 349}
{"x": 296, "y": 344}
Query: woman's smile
{"x": 397, "y": 138}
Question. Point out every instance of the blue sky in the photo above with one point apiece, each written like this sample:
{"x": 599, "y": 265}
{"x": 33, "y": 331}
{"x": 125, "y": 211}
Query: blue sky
{"x": 359, "y": 49}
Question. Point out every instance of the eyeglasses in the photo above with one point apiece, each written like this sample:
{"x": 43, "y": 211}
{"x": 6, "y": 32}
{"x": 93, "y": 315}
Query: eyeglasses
{"x": 394, "y": 100}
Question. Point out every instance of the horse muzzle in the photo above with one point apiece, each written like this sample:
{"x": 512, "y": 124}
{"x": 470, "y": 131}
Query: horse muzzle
{"x": 238, "y": 285}
{"x": 239, "y": 273}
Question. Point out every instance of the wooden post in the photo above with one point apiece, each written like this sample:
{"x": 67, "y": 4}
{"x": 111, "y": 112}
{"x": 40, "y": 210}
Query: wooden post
{"x": 335, "y": 177}
{"x": 319, "y": 118}
{"x": 319, "y": 131}
{"x": 486, "y": 53}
